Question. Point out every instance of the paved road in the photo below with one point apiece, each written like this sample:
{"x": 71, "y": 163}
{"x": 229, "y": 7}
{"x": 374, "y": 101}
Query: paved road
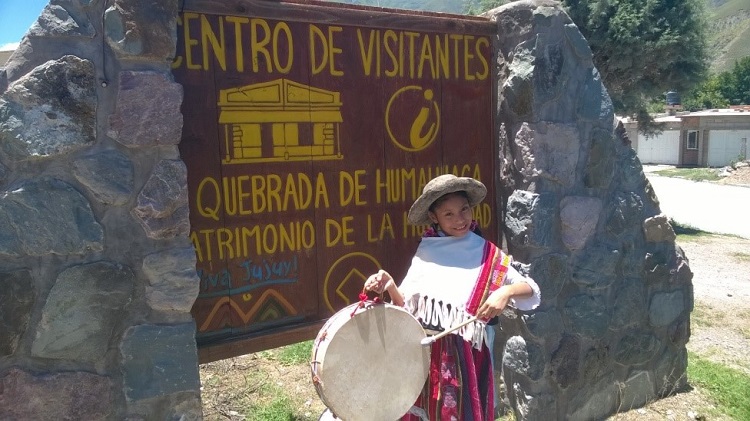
{"x": 707, "y": 206}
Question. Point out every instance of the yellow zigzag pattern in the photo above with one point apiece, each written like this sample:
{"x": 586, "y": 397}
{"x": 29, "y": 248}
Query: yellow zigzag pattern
{"x": 246, "y": 317}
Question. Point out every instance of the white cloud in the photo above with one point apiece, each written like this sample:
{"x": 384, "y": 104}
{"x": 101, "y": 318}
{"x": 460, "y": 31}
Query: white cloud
{"x": 9, "y": 47}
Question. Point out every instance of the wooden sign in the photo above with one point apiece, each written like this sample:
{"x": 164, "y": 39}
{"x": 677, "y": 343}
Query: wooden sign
{"x": 309, "y": 130}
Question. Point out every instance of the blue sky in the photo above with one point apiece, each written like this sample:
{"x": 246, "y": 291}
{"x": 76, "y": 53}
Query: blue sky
{"x": 16, "y": 16}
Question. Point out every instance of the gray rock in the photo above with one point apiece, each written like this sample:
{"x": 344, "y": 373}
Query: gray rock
{"x": 532, "y": 222}
{"x": 594, "y": 103}
{"x": 671, "y": 372}
{"x": 108, "y": 175}
{"x": 630, "y": 304}
{"x": 55, "y": 396}
{"x": 595, "y": 401}
{"x": 588, "y": 315}
{"x": 638, "y": 390}
{"x": 545, "y": 325}
{"x": 135, "y": 31}
{"x": 549, "y": 78}
{"x": 81, "y": 311}
{"x": 17, "y": 295}
{"x": 624, "y": 214}
{"x": 595, "y": 364}
{"x": 579, "y": 217}
{"x": 556, "y": 149}
{"x": 597, "y": 266}
{"x": 173, "y": 282}
{"x": 578, "y": 42}
{"x": 56, "y": 21}
{"x": 658, "y": 229}
{"x": 162, "y": 207}
{"x": 49, "y": 111}
{"x": 636, "y": 347}
{"x": 47, "y": 216}
{"x": 138, "y": 120}
{"x": 524, "y": 160}
{"x": 551, "y": 272}
{"x": 601, "y": 160}
{"x": 565, "y": 362}
{"x": 666, "y": 307}
{"x": 159, "y": 360}
{"x": 515, "y": 355}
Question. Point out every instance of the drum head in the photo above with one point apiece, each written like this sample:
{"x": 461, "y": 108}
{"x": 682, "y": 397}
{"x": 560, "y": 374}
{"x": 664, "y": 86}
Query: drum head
{"x": 374, "y": 365}
{"x": 327, "y": 415}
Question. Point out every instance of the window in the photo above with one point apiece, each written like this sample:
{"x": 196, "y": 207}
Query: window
{"x": 692, "y": 139}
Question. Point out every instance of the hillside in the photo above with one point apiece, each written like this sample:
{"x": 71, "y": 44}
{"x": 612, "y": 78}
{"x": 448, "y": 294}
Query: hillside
{"x": 728, "y": 21}
{"x": 729, "y": 28}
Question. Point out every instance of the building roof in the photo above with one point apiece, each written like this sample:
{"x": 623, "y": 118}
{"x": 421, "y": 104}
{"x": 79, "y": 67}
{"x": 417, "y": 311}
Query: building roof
{"x": 718, "y": 112}
{"x": 4, "y": 56}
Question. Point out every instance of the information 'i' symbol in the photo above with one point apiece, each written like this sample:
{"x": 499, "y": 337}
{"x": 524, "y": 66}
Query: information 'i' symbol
{"x": 412, "y": 118}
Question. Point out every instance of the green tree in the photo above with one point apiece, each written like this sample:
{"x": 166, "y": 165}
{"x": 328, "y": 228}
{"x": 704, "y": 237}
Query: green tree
{"x": 706, "y": 95}
{"x": 643, "y": 48}
{"x": 736, "y": 83}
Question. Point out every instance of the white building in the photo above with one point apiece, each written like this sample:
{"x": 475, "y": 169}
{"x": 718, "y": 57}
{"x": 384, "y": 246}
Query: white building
{"x": 710, "y": 138}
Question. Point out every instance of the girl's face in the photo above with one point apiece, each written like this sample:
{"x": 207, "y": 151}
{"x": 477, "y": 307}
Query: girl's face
{"x": 453, "y": 215}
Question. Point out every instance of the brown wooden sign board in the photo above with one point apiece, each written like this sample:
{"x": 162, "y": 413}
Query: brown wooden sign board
{"x": 309, "y": 129}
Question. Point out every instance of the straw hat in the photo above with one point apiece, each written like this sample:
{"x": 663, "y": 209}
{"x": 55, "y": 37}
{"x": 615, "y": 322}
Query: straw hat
{"x": 440, "y": 186}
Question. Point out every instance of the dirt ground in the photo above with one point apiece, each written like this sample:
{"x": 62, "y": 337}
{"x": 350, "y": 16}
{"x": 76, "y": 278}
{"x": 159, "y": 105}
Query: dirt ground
{"x": 720, "y": 327}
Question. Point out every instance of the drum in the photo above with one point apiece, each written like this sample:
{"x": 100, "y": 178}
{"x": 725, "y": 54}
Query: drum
{"x": 368, "y": 363}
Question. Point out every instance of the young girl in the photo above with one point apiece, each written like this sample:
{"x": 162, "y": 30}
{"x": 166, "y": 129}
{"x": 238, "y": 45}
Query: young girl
{"x": 455, "y": 275}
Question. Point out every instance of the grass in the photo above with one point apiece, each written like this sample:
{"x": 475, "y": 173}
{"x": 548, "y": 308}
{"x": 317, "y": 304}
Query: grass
{"x": 687, "y": 232}
{"x": 693, "y": 174}
{"x": 296, "y": 353}
{"x": 277, "y": 402}
{"x": 726, "y": 386}
{"x": 742, "y": 257}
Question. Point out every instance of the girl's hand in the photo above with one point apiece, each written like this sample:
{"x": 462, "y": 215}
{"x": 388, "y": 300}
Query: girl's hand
{"x": 379, "y": 282}
{"x": 495, "y": 303}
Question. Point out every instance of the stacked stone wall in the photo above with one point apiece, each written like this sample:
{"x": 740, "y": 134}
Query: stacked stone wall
{"x": 610, "y": 334}
{"x": 97, "y": 272}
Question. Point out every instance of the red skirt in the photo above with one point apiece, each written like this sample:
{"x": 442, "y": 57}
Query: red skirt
{"x": 460, "y": 386}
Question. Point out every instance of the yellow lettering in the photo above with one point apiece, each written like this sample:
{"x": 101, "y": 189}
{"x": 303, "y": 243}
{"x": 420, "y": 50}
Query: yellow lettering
{"x": 442, "y": 52}
{"x": 282, "y": 27}
{"x": 238, "y": 50}
{"x": 411, "y": 36}
{"x": 392, "y": 37}
{"x": 317, "y": 35}
{"x": 367, "y": 57}
{"x": 484, "y": 73}
{"x": 217, "y": 44}
{"x": 189, "y": 42}
{"x": 333, "y": 51}
{"x": 258, "y": 185}
{"x": 426, "y": 55}
{"x": 208, "y": 211}
{"x": 321, "y": 193}
{"x": 467, "y": 57}
{"x": 259, "y": 45}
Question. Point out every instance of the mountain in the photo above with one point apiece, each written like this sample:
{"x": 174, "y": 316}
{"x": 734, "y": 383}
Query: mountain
{"x": 728, "y": 33}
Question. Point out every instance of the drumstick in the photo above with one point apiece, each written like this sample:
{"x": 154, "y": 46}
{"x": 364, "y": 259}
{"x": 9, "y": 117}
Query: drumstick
{"x": 430, "y": 339}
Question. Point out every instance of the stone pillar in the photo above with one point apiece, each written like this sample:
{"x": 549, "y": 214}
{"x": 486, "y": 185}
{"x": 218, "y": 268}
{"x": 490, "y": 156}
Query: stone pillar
{"x": 97, "y": 273}
{"x": 610, "y": 334}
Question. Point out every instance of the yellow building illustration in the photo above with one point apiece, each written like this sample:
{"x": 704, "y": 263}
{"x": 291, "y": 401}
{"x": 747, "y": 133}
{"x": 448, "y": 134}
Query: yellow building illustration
{"x": 279, "y": 121}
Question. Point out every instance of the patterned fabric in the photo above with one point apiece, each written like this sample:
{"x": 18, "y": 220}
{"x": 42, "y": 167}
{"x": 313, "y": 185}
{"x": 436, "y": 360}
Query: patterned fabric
{"x": 490, "y": 277}
{"x": 460, "y": 386}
